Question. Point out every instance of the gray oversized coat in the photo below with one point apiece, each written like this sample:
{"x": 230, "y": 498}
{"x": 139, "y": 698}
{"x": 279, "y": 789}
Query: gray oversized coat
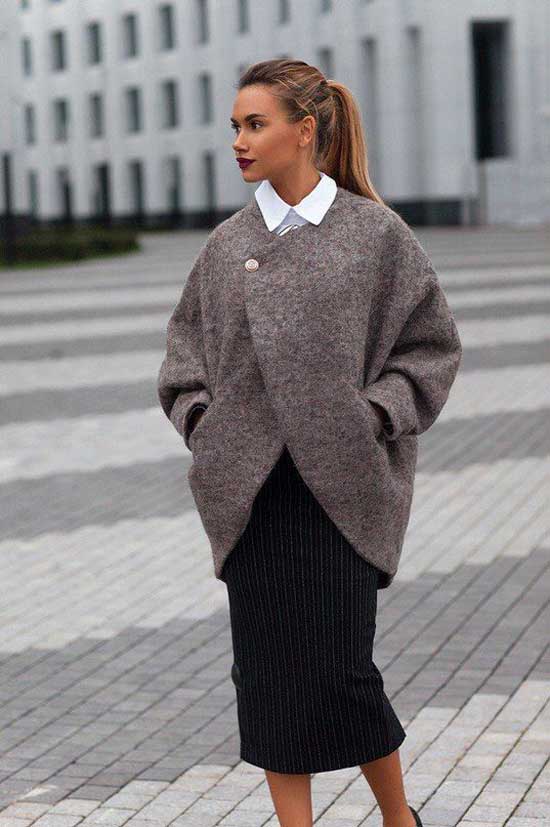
{"x": 334, "y": 317}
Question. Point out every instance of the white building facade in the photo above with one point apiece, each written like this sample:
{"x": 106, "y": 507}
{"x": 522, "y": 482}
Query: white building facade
{"x": 121, "y": 109}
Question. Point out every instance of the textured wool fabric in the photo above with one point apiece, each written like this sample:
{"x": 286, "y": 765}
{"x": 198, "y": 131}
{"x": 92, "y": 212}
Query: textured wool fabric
{"x": 335, "y": 317}
{"x": 303, "y": 619}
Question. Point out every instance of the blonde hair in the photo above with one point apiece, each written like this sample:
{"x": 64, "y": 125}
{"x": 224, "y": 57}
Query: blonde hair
{"x": 340, "y": 147}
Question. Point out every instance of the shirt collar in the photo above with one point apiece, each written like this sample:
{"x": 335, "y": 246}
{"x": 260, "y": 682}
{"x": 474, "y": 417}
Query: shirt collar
{"x": 313, "y": 207}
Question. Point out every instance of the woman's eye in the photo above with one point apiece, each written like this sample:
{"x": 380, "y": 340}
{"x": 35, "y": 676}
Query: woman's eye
{"x": 234, "y": 126}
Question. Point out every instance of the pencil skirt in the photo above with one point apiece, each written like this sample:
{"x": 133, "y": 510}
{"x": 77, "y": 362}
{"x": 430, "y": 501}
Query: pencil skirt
{"x": 302, "y": 606}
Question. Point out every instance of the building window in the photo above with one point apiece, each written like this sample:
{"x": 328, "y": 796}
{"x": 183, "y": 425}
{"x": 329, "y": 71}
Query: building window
{"x": 326, "y": 5}
{"x": 326, "y": 62}
{"x": 172, "y": 168}
{"x": 26, "y": 56}
{"x": 32, "y": 190}
{"x": 244, "y": 16}
{"x": 137, "y": 190}
{"x": 167, "y": 27}
{"x": 491, "y": 50}
{"x": 371, "y": 93}
{"x": 202, "y": 20}
{"x": 134, "y": 118}
{"x": 205, "y": 97}
{"x": 130, "y": 35}
{"x": 101, "y": 192}
{"x": 30, "y": 124}
{"x": 93, "y": 37}
{"x": 97, "y": 123}
{"x": 25, "y": 4}
{"x": 209, "y": 179}
{"x": 64, "y": 193}
{"x": 284, "y": 11}
{"x": 170, "y": 107}
{"x": 58, "y": 51}
{"x": 61, "y": 119}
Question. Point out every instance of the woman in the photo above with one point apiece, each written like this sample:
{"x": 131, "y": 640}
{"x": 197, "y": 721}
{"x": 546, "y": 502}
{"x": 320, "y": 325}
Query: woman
{"x": 311, "y": 345}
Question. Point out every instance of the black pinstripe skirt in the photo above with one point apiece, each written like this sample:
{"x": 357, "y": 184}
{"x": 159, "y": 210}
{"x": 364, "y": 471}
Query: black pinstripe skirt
{"x": 303, "y": 616}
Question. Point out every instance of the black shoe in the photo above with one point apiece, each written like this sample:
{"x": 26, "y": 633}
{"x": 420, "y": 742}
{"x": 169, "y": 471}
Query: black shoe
{"x": 416, "y": 817}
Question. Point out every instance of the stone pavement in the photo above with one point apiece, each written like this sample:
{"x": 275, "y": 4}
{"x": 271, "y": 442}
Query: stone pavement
{"x": 117, "y": 706}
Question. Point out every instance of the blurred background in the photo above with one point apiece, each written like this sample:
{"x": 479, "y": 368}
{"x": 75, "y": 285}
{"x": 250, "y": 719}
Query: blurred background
{"x": 113, "y": 111}
{"x": 116, "y": 161}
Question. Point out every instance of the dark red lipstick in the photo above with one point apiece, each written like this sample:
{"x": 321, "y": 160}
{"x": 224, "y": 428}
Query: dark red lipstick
{"x": 245, "y": 162}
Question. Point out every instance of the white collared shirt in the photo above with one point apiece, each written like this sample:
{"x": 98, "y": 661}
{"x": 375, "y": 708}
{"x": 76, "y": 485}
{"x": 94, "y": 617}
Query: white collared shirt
{"x": 278, "y": 214}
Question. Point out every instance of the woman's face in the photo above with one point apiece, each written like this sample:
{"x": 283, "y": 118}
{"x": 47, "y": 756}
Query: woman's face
{"x": 262, "y": 134}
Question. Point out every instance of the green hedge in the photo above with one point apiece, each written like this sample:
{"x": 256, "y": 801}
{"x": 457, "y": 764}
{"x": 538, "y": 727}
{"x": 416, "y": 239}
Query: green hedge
{"x": 73, "y": 244}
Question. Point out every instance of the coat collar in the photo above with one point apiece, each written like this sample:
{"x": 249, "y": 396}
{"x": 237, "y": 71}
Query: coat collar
{"x": 312, "y": 207}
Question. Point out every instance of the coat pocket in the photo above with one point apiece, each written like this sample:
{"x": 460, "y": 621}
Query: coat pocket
{"x": 372, "y": 416}
{"x": 198, "y": 429}
{"x": 376, "y": 421}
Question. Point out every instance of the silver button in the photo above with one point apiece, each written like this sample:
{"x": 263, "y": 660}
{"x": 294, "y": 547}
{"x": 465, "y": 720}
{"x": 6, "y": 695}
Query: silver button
{"x": 251, "y": 264}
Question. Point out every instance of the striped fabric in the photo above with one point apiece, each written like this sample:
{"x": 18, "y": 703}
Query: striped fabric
{"x": 284, "y": 230}
{"x": 303, "y": 617}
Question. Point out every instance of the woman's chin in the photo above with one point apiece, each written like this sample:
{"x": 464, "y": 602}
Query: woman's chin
{"x": 250, "y": 174}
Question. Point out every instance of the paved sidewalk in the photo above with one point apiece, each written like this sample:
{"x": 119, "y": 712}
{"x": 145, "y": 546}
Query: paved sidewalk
{"x": 117, "y": 705}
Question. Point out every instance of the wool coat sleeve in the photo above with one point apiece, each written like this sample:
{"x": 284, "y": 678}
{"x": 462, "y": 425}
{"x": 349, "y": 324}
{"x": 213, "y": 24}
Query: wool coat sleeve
{"x": 420, "y": 344}
{"x": 182, "y": 384}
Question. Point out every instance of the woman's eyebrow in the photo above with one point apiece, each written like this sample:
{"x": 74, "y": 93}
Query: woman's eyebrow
{"x": 249, "y": 117}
